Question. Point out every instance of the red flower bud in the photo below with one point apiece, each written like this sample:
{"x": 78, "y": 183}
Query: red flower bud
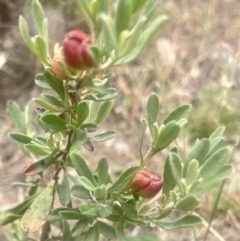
{"x": 59, "y": 74}
{"x": 76, "y": 50}
{"x": 146, "y": 183}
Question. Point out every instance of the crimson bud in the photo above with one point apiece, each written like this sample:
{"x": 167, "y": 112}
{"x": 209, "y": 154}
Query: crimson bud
{"x": 146, "y": 183}
{"x": 76, "y": 50}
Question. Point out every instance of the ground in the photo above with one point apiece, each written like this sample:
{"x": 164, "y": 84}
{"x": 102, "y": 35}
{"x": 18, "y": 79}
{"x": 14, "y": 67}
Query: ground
{"x": 197, "y": 51}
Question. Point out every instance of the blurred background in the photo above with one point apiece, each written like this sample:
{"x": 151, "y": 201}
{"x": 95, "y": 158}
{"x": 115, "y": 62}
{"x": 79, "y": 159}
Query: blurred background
{"x": 194, "y": 59}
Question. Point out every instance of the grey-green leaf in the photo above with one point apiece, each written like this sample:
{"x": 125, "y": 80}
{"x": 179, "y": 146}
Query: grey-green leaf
{"x": 41, "y": 82}
{"x": 81, "y": 167}
{"x": 217, "y": 178}
{"x": 124, "y": 180}
{"x": 20, "y": 138}
{"x": 123, "y": 16}
{"x": 176, "y": 167}
{"x": 213, "y": 164}
{"x": 80, "y": 192}
{"x": 199, "y": 153}
{"x": 217, "y": 133}
{"x": 104, "y": 109}
{"x": 38, "y": 16}
{"x": 140, "y": 136}
{"x": 167, "y": 135}
{"x": 82, "y": 113}
{"x": 107, "y": 230}
{"x": 103, "y": 136}
{"x": 17, "y": 116}
{"x": 168, "y": 177}
{"x": 184, "y": 222}
{"x": 54, "y": 122}
{"x": 187, "y": 203}
{"x": 178, "y": 114}
{"x": 79, "y": 227}
{"x": 102, "y": 170}
{"x": 54, "y": 83}
{"x": 25, "y": 34}
{"x": 153, "y": 107}
{"x": 63, "y": 191}
{"x": 37, "y": 213}
{"x": 92, "y": 234}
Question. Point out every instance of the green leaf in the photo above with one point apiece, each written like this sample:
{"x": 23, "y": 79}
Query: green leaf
{"x": 108, "y": 30}
{"x": 217, "y": 133}
{"x": 73, "y": 215}
{"x": 81, "y": 192}
{"x": 144, "y": 41}
{"x": 167, "y": 135}
{"x": 123, "y": 16}
{"x": 79, "y": 137}
{"x": 17, "y": 116}
{"x": 187, "y": 203}
{"x": 168, "y": 177}
{"x": 184, "y": 222}
{"x": 8, "y": 215}
{"x": 102, "y": 170}
{"x": 20, "y": 138}
{"x": 81, "y": 167}
{"x": 213, "y": 164}
{"x": 103, "y": 136}
{"x": 124, "y": 180}
{"x": 66, "y": 231}
{"x": 39, "y": 166}
{"x": 178, "y": 114}
{"x": 79, "y": 227}
{"x": 153, "y": 107}
{"x": 199, "y": 153}
{"x": 38, "y": 149}
{"x": 63, "y": 191}
{"x": 140, "y": 137}
{"x": 105, "y": 210}
{"x": 90, "y": 209}
{"x": 82, "y": 113}
{"x": 137, "y": 5}
{"x": 38, "y": 16}
{"x": 106, "y": 95}
{"x": 45, "y": 105}
{"x": 104, "y": 109}
{"x": 133, "y": 35}
{"x": 92, "y": 234}
{"x": 52, "y": 100}
{"x": 54, "y": 83}
{"x": 150, "y": 7}
{"x": 144, "y": 237}
{"x": 210, "y": 183}
{"x": 41, "y": 49}
{"x": 54, "y": 122}
{"x": 89, "y": 127}
{"x": 37, "y": 213}
{"x": 107, "y": 230}
{"x": 192, "y": 171}
{"x": 41, "y": 82}
{"x": 25, "y": 34}
{"x": 87, "y": 184}
{"x": 120, "y": 231}
{"x": 129, "y": 210}
{"x": 85, "y": 5}
{"x": 176, "y": 167}
{"x": 100, "y": 192}
{"x": 215, "y": 145}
